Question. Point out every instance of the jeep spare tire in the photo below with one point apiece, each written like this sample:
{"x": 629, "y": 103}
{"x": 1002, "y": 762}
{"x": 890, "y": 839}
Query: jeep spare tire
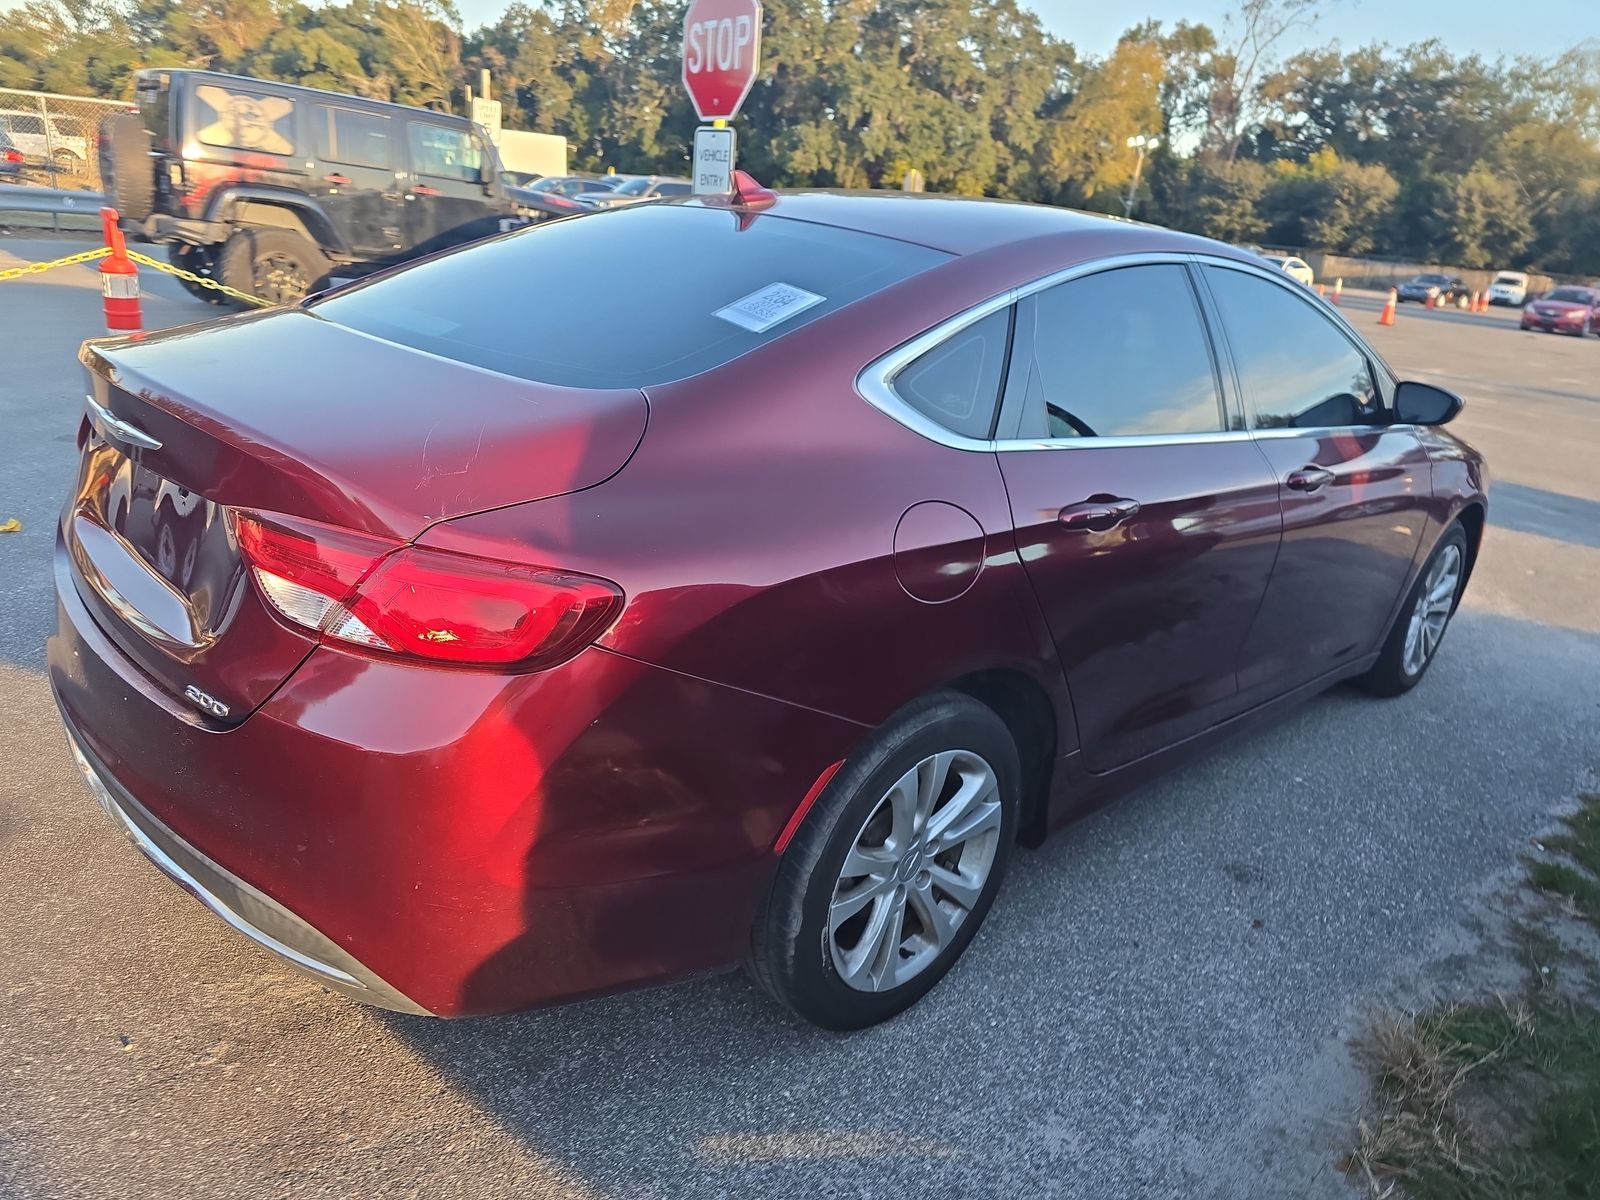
{"x": 127, "y": 175}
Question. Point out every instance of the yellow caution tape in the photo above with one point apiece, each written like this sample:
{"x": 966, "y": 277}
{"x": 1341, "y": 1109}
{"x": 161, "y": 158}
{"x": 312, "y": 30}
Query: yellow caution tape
{"x": 143, "y": 260}
{"x": 201, "y": 280}
{"x": 41, "y": 268}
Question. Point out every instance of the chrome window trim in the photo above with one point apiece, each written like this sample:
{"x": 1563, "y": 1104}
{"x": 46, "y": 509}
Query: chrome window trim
{"x": 875, "y": 382}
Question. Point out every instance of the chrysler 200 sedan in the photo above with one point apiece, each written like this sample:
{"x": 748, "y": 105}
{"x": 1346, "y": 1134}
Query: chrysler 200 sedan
{"x": 472, "y": 654}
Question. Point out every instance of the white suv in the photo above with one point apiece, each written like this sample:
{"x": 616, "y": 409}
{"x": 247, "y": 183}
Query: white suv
{"x": 46, "y": 137}
{"x": 1509, "y": 287}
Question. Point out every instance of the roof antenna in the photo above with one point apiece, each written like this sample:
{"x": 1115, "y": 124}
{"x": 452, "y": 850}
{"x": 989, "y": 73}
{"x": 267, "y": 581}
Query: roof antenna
{"x": 747, "y": 193}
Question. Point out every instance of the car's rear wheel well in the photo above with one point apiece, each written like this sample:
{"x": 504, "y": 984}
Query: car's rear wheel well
{"x": 1025, "y": 708}
{"x": 1472, "y": 519}
{"x": 259, "y": 213}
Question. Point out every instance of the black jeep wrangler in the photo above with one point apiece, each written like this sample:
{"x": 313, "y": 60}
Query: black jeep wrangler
{"x": 270, "y": 188}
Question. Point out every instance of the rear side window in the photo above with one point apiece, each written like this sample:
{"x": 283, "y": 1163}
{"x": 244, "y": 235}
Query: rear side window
{"x": 957, "y": 383}
{"x": 22, "y": 123}
{"x": 629, "y": 298}
{"x": 1297, "y": 367}
{"x": 1122, "y": 354}
{"x": 357, "y": 138}
{"x": 243, "y": 120}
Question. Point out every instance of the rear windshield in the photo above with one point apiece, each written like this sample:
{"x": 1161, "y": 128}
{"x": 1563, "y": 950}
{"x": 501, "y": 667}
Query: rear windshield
{"x": 629, "y": 298}
{"x": 1433, "y": 279}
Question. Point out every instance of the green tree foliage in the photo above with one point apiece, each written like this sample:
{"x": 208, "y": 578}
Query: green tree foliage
{"x": 1411, "y": 151}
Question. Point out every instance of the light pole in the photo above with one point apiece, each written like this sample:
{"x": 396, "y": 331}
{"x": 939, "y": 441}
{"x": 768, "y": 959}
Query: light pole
{"x": 1144, "y": 144}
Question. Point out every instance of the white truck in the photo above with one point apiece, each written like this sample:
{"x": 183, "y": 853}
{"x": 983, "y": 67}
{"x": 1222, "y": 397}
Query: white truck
{"x": 1509, "y": 287}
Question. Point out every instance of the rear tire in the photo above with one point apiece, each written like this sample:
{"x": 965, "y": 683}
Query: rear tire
{"x": 127, "y": 176}
{"x": 277, "y": 265}
{"x": 202, "y": 261}
{"x": 1424, "y": 619}
{"x": 926, "y": 814}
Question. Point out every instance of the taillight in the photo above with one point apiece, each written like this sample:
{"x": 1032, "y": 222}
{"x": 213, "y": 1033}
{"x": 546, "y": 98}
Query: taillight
{"x": 12, "y": 156}
{"x": 386, "y": 597}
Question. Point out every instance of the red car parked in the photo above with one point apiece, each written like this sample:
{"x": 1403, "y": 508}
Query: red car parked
{"x": 1574, "y": 310}
{"x": 477, "y": 637}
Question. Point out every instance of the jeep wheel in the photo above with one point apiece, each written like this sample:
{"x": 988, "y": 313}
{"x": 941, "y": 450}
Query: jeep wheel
{"x": 127, "y": 173}
{"x": 277, "y": 265}
{"x": 201, "y": 261}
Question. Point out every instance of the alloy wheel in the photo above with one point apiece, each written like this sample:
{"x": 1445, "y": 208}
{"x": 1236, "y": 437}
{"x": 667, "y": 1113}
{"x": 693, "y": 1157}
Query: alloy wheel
{"x": 280, "y": 278}
{"x": 915, "y": 871}
{"x": 1432, "y": 610}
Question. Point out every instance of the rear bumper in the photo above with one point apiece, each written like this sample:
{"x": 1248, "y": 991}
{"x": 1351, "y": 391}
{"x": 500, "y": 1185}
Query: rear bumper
{"x": 250, "y": 911}
{"x": 456, "y": 842}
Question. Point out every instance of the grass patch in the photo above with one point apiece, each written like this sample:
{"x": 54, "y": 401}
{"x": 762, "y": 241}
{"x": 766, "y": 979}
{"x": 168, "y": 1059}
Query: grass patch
{"x": 1497, "y": 1100}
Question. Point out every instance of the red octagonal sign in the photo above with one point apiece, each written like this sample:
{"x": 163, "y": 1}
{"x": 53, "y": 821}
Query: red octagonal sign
{"x": 721, "y": 52}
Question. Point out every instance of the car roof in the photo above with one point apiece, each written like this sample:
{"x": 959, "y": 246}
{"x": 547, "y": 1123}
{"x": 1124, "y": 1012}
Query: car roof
{"x": 970, "y": 225}
{"x": 310, "y": 94}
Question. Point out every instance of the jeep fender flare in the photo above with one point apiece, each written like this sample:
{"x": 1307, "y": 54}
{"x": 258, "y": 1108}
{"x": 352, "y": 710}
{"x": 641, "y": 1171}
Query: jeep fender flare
{"x": 281, "y": 209}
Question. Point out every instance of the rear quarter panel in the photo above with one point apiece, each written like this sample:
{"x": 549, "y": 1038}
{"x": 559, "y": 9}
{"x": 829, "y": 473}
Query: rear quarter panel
{"x": 754, "y": 529}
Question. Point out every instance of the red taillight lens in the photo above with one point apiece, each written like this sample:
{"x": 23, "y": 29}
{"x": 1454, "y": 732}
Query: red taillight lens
{"x": 12, "y": 156}
{"x": 382, "y": 596}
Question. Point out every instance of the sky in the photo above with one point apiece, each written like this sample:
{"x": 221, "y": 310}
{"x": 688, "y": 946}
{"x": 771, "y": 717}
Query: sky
{"x": 1489, "y": 27}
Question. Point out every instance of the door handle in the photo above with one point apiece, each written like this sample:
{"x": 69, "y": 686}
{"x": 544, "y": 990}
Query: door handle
{"x": 1097, "y": 514}
{"x": 423, "y": 189}
{"x": 1309, "y": 479}
{"x": 337, "y": 180}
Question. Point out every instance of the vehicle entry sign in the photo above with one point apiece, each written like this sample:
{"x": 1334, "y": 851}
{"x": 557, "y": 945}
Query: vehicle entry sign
{"x": 713, "y": 161}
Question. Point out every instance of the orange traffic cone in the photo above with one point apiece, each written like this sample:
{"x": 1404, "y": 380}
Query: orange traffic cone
{"x": 1338, "y": 289}
{"x": 1483, "y": 302}
{"x": 119, "y": 280}
{"x": 1476, "y": 298}
{"x": 1322, "y": 291}
{"x": 1386, "y": 317}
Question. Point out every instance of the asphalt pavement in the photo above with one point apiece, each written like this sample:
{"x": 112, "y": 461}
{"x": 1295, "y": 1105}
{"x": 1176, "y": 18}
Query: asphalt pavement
{"x": 1158, "y": 1006}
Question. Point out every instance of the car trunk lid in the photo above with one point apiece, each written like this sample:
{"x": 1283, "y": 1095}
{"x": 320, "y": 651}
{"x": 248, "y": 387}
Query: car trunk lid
{"x": 287, "y": 413}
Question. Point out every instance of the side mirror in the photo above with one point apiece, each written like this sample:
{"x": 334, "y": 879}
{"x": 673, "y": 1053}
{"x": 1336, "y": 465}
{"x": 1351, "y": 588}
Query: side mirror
{"x": 1424, "y": 404}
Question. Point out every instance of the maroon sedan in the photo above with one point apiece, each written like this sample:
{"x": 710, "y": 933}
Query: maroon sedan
{"x": 488, "y": 635}
{"x": 1574, "y": 310}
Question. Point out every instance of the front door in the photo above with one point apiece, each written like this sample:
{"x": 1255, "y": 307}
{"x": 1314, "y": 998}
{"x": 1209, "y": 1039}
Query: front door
{"x": 1353, "y": 489}
{"x": 451, "y": 198}
{"x": 1147, "y": 520}
{"x": 355, "y": 179}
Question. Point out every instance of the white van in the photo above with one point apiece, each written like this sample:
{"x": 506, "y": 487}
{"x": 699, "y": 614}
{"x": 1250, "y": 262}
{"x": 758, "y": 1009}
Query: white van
{"x": 1509, "y": 287}
{"x": 43, "y": 137}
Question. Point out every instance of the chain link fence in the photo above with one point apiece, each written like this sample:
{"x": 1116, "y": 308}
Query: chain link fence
{"x": 58, "y": 137}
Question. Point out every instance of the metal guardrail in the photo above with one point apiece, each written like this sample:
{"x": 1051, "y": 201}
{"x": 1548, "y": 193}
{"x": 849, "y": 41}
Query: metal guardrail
{"x": 49, "y": 200}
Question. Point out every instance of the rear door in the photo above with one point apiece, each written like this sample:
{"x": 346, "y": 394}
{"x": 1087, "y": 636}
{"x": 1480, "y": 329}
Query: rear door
{"x": 451, "y": 198}
{"x": 359, "y": 176}
{"x": 1145, "y": 516}
{"x": 1354, "y": 489}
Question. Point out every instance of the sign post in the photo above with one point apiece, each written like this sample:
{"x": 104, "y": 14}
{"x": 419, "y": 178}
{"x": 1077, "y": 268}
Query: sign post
{"x": 721, "y": 57}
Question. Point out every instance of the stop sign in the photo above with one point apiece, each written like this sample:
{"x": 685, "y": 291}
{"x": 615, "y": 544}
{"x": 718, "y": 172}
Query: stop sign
{"x": 721, "y": 52}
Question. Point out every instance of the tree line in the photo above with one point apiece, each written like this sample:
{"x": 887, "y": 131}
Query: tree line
{"x": 1409, "y": 151}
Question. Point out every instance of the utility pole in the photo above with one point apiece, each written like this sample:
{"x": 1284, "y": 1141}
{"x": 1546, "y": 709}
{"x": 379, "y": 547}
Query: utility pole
{"x": 1144, "y": 144}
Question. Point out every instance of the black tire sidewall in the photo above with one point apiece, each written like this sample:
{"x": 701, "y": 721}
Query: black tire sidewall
{"x": 1389, "y": 676}
{"x": 236, "y": 261}
{"x": 796, "y": 964}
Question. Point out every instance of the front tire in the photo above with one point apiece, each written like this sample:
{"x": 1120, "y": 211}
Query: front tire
{"x": 895, "y": 867}
{"x": 1414, "y": 641}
